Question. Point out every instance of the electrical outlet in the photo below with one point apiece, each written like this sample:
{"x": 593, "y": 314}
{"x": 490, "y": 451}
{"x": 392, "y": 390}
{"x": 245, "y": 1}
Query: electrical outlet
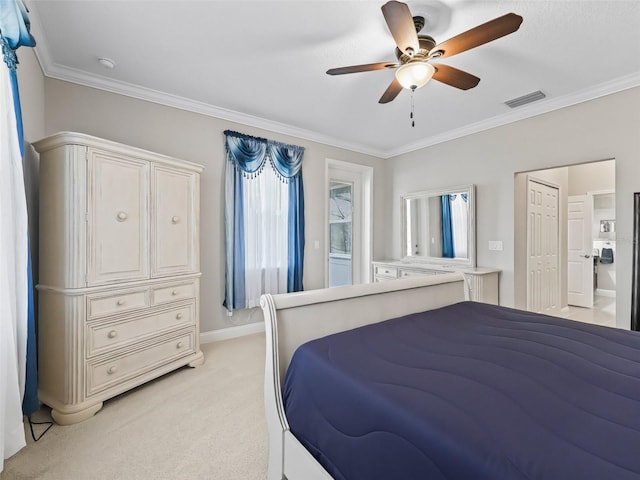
{"x": 495, "y": 245}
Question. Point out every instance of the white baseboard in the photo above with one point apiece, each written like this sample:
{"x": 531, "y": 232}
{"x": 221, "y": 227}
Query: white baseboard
{"x": 605, "y": 293}
{"x": 231, "y": 332}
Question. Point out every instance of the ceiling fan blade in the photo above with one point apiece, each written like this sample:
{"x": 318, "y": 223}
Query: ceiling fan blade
{"x": 391, "y": 92}
{"x": 368, "y": 67}
{"x": 487, "y": 32}
{"x": 401, "y": 26}
{"x": 454, "y": 77}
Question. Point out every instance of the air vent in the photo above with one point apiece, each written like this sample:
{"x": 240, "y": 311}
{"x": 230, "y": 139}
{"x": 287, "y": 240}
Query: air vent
{"x": 523, "y": 100}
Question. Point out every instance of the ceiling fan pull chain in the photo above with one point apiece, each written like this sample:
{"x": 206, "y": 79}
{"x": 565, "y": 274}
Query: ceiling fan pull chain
{"x": 413, "y": 122}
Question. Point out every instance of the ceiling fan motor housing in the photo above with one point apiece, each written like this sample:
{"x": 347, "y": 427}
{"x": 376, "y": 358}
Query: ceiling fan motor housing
{"x": 426, "y": 45}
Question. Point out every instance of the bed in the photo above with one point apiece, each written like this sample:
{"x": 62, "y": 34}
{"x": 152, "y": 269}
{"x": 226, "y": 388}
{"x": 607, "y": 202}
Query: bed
{"x": 409, "y": 379}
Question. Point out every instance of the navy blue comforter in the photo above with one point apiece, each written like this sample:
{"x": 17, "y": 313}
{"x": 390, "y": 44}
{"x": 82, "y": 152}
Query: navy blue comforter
{"x": 470, "y": 392}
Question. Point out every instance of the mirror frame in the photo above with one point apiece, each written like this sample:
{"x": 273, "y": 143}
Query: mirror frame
{"x": 471, "y": 227}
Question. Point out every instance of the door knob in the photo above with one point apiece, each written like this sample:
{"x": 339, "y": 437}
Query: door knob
{"x": 586, "y": 256}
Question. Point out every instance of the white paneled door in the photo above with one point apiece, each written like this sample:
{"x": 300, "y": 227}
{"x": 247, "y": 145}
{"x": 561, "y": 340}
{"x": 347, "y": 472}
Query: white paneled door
{"x": 579, "y": 251}
{"x": 542, "y": 247}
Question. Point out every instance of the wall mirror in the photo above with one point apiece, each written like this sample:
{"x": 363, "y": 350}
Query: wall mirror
{"x": 438, "y": 226}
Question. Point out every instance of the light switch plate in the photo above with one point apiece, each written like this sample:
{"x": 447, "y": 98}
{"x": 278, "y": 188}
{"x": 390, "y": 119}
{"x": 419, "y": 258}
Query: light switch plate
{"x": 495, "y": 245}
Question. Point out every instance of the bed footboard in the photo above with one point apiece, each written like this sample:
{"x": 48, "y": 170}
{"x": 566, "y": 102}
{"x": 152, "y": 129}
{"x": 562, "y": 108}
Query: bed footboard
{"x": 296, "y": 318}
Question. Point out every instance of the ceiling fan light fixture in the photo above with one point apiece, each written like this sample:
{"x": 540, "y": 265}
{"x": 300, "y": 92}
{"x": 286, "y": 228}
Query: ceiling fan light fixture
{"x": 414, "y": 75}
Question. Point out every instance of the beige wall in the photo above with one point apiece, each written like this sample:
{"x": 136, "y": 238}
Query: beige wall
{"x": 592, "y": 177}
{"x": 604, "y": 128}
{"x": 199, "y": 138}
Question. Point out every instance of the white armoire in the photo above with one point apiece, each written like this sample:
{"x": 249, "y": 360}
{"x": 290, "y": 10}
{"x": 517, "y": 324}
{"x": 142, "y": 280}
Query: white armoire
{"x": 119, "y": 270}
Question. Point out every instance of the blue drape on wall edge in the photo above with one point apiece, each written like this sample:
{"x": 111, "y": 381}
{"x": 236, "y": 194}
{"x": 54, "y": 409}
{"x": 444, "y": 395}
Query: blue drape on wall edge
{"x": 14, "y": 32}
{"x": 249, "y": 155}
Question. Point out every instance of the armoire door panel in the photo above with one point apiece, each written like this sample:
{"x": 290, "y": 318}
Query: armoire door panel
{"x": 174, "y": 221}
{"x": 118, "y": 218}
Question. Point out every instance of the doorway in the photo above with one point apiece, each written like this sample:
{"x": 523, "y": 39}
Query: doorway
{"x": 348, "y": 223}
{"x": 582, "y": 236}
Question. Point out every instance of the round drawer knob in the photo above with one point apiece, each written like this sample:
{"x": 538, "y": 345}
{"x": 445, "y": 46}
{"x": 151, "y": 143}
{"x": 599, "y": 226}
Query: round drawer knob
{"x": 112, "y": 334}
{"x": 175, "y": 292}
{"x": 179, "y": 316}
{"x": 120, "y": 302}
{"x": 112, "y": 369}
{"x": 179, "y": 345}
{"x": 175, "y": 219}
{"x": 122, "y": 216}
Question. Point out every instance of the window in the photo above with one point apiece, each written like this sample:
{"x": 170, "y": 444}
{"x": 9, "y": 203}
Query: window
{"x": 264, "y": 219}
{"x": 340, "y": 219}
{"x": 265, "y": 243}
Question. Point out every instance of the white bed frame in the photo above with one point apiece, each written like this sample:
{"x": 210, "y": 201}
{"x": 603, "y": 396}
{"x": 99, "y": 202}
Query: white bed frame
{"x": 295, "y": 318}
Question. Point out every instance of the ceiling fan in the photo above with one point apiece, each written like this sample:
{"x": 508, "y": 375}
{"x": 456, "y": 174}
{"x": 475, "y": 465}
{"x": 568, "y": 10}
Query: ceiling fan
{"x": 414, "y": 51}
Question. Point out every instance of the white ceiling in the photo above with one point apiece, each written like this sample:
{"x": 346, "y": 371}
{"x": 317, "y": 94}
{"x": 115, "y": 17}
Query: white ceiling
{"x": 263, "y": 63}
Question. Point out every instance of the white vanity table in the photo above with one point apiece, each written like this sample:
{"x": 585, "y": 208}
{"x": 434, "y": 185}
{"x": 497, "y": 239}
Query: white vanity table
{"x": 438, "y": 236}
{"x": 482, "y": 282}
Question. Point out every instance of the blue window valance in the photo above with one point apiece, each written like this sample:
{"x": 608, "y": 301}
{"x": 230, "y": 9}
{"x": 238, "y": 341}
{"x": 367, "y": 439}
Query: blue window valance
{"x": 251, "y": 154}
{"x": 14, "y": 31}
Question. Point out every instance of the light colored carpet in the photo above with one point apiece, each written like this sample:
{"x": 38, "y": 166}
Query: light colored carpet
{"x": 195, "y": 423}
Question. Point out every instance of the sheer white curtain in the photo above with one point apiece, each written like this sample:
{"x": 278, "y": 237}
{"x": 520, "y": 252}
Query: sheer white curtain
{"x": 13, "y": 276}
{"x": 459, "y": 224}
{"x": 266, "y": 201}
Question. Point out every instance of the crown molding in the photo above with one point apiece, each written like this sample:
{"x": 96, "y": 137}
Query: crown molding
{"x": 521, "y": 113}
{"x": 122, "y": 88}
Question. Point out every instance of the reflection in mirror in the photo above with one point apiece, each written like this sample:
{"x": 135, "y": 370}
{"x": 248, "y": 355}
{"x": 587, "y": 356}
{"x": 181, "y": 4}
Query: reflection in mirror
{"x": 439, "y": 226}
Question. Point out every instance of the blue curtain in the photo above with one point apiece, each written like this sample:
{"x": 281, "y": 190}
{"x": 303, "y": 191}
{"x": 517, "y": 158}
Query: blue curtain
{"x": 14, "y": 33}
{"x": 447, "y": 227}
{"x": 287, "y": 161}
{"x": 248, "y": 156}
{"x": 296, "y": 235}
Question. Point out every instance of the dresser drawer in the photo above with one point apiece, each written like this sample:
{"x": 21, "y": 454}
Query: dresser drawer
{"x": 418, "y": 273}
{"x": 104, "y": 374}
{"x": 117, "y": 302}
{"x": 171, "y": 293}
{"x": 385, "y": 270}
{"x": 103, "y": 337}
